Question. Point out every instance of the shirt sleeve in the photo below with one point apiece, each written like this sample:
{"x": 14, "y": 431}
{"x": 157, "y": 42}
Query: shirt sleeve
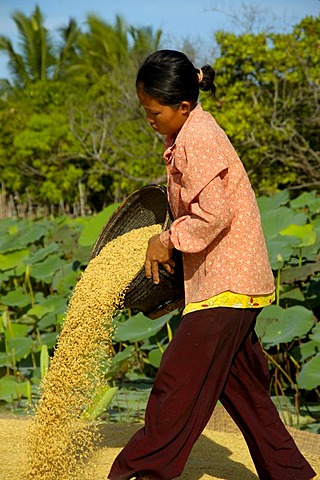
{"x": 203, "y": 196}
{"x": 209, "y": 215}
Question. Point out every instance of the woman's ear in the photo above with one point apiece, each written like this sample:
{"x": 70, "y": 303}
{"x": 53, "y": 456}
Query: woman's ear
{"x": 185, "y": 107}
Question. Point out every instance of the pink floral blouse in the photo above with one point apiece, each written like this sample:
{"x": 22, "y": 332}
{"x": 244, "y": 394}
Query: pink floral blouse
{"x": 216, "y": 218}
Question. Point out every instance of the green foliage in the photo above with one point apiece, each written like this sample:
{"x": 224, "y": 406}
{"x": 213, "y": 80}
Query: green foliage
{"x": 71, "y": 122}
{"x": 11, "y": 389}
{"x": 70, "y": 114}
{"x": 100, "y": 402}
{"x": 41, "y": 261}
{"x": 268, "y": 102}
{"x": 37, "y": 145}
{"x": 34, "y": 294}
{"x": 283, "y": 325}
{"x": 36, "y": 56}
{"x": 289, "y": 330}
{"x": 309, "y": 375}
{"x": 93, "y": 227}
{"x": 138, "y": 328}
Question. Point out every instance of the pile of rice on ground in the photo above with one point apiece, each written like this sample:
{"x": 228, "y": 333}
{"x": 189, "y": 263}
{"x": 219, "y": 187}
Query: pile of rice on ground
{"x": 219, "y": 454}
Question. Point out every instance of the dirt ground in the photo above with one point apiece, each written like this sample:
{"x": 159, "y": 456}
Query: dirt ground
{"x": 219, "y": 454}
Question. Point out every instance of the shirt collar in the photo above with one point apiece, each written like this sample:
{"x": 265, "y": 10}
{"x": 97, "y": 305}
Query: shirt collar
{"x": 170, "y": 141}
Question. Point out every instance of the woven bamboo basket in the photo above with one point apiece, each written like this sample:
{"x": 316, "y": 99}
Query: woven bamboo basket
{"x": 145, "y": 207}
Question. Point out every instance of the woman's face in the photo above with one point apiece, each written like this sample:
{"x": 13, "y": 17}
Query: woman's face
{"x": 163, "y": 119}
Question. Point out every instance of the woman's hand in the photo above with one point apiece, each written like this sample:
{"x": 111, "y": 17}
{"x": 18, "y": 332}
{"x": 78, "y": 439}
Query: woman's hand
{"x": 157, "y": 253}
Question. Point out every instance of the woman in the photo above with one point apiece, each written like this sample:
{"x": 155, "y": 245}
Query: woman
{"x": 215, "y": 353}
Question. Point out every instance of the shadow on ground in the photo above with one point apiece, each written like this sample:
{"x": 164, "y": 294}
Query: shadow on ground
{"x": 208, "y": 458}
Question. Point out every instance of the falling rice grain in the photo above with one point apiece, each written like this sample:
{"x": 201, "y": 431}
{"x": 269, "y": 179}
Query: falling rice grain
{"x": 58, "y": 441}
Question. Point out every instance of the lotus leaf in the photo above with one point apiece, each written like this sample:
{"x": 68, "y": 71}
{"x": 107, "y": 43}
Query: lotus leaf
{"x": 18, "y": 348}
{"x": 16, "y": 272}
{"x": 5, "y": 276}
{"x": 118, "y": 361}
{"x": 42, "y": 253}
{"x": 313, "y": 291}
{"x": 48, "y": 320}
{"x": 27, "y": 320}
{"x": 16, "y": 298}
{"x": 309, "y": 376}
{"x": 315, "y": 334}
{"x": 65, "y": 278}
{"x": 49, "y": 339}
{"x": 137, "y": 399}
{"x": 56, "y": 304}
{"x": 13, "y": 259}
{"x": 4, "y": 240}
{"x": 292, "y": 292}
{"x": 269, "y": 203}
{"x": 139, "y": 328}
{"x": 154, "y": 357}
{"x": 44, "y": 271}
{"x": 81, "y": 254}
{"x": 25, "y": 235}
{"x": 294, "y": 274}
{"x": 93, "y": 228}
{"x": 9, "y": 227}
{"x": 7, "y": 223}
{"x": 122, "y": 356}
{"x": 305, "y": 233}
{"x": 307, "y": 199}
{"x": 11, "y": 389}
{"x": 44, "y": 361}
{"x": 281, "y": 325}
{"x": 306, "y": 350}
{"x": 32, "y": 234}
{"x": 15, "y": 330}
{"x": 274, "y": 221}
{"x": 280, "y": 251}
{"x": 66, "y": 236}
{"x": 295, "y": 420}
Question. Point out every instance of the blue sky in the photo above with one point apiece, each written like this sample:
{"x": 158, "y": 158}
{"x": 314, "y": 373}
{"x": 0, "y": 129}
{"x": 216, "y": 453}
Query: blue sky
{"x": 195, "y": 20}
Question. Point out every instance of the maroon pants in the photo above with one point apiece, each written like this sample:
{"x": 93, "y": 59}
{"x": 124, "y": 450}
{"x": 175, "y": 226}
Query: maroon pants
{"x": 214, "y": 354}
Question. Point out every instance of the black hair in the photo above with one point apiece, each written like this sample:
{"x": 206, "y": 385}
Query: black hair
{"x": 170, "y": 77}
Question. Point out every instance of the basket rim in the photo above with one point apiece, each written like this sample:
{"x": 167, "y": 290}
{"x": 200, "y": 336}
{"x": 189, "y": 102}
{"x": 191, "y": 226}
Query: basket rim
{"x": 98, "y": 245}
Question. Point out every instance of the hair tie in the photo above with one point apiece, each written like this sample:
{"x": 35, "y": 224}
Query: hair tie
{"x": 200, "y": 75}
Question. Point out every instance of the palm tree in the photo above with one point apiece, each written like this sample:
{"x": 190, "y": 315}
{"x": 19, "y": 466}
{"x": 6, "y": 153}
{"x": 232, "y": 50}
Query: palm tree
{"x": 81, "y": 56}
{"x": 66, "y": 50}
{"x": 100, "y": 50}
{"x": 36, "y": 57}
{"x": 39, "y": 58}
{"x": 144, "y": 41}
{"x": 106, "y": 49}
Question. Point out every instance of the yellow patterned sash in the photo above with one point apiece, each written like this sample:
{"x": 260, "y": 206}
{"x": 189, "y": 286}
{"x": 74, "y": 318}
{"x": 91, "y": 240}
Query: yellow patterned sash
{"x": 232, "y": 300}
